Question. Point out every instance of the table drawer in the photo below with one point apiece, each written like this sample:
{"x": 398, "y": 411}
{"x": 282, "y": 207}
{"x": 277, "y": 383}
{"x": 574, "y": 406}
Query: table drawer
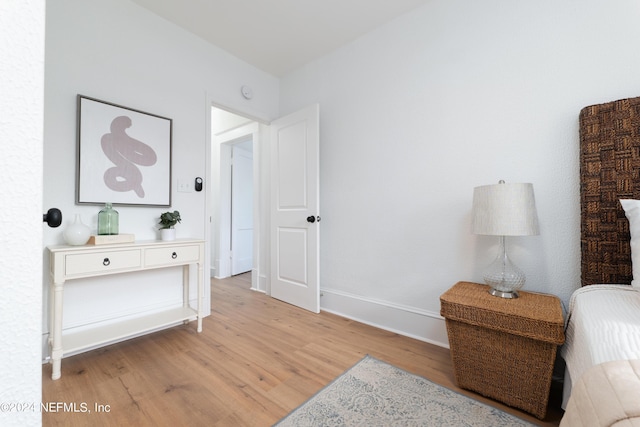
{"x": 102, "y": 262}
{"x": 171, "y": 255}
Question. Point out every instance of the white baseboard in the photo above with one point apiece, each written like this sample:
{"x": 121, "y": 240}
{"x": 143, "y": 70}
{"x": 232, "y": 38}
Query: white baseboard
{"x": 412, "y": 322}
{"x": 262, "y": 283}
{"x": 258, "y": 282}
{"x": 415, "y": 323}
{"x": 222, "y": 268}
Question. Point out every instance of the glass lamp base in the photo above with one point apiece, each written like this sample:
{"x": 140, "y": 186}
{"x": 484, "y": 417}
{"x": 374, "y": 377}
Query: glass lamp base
{"x": 503, "y": 294}
{"x": 503, "y": 276}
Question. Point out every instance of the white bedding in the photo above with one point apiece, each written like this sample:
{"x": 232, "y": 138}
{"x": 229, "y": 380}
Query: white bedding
{"x": 606, "y": 395}
{"x": 603, "y": 324}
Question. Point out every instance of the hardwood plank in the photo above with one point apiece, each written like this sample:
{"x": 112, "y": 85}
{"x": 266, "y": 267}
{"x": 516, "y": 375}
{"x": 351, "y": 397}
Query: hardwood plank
{"x": 256, "y": 360}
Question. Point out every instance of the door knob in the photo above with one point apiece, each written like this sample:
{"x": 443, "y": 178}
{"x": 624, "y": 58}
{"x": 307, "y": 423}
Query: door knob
{"x": 53, "y": 217}
{"x": 313, "y": 219}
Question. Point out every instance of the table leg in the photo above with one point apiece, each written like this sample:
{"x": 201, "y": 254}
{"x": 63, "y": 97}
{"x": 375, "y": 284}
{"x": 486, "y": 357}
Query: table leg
{"x": 55, "y": 330}
{"x": 185, "y": 288}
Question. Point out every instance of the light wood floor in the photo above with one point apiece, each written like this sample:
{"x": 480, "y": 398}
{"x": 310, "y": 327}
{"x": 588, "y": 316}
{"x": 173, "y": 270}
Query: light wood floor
{"x": 256, "y": 360}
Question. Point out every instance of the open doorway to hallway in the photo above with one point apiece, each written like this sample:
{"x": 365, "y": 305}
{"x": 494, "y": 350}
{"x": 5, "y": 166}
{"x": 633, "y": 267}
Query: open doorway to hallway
{"x": 285, "y": 160}
{"x": 233, "y": 231}
{"x": 241, "y": 229}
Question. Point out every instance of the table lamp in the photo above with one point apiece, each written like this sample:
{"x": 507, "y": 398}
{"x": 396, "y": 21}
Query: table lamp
{"x": 504, "y": 210}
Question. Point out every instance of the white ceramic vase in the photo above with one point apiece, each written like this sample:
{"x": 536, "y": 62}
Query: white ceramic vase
{"x": 168, "y": 234}
{"x": 77, "y": 233}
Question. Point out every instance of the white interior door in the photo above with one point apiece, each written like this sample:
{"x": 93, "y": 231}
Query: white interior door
{"x": 295, "y": 274}
{"x": 241, "y": 210}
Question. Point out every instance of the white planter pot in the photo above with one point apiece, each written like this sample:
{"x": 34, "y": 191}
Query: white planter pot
{"x": 168, "y": 234}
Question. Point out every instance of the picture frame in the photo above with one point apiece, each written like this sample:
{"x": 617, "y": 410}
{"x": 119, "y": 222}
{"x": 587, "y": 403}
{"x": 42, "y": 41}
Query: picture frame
{"x": 123, "y": 155}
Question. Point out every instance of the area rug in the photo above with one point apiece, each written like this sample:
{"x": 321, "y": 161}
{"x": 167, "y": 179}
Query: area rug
{"x": 374, "y": 393}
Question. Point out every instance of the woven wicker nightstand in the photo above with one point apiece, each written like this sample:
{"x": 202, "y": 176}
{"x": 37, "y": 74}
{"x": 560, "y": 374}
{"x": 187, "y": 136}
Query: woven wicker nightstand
{"x": 504, "y": 349}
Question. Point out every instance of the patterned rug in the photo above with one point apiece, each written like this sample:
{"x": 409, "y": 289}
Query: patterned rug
{"x": 374, "y": 393}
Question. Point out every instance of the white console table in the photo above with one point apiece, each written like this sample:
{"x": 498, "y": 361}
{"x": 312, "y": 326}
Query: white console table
{"x": 75, "y": 262}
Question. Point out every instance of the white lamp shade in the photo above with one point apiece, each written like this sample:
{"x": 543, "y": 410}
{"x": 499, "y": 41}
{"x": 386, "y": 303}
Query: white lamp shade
{"x": 504, "y": 210}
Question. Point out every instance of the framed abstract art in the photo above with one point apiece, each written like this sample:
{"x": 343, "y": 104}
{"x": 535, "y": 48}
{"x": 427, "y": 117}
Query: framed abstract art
{"x": 123, "y": 155}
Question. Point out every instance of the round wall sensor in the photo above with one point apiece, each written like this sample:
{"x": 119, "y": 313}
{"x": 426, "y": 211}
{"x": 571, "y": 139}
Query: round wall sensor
{"x": 246, "y": 92}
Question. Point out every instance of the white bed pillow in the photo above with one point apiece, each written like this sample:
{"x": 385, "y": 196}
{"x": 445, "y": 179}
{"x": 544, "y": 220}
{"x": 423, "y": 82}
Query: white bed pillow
{"x": 632, "y": 211}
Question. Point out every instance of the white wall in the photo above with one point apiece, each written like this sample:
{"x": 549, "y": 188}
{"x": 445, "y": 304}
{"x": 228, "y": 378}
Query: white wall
{"x": 21, "y": 109}
{"x": 118, "y": 52}
{"x": 456, "y": 94}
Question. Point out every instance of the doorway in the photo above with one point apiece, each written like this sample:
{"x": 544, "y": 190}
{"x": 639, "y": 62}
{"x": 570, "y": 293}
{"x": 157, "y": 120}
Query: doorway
{"x": 234, "y": 194}
{"x": 290, "y": 156}
{"x": 241, "y": 204}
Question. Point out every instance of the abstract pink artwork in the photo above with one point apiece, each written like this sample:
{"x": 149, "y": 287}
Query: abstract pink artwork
{"x": 124, "y": 155}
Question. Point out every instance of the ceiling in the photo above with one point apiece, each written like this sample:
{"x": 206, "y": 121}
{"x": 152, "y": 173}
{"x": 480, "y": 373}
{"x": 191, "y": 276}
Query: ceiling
{"x": 278, "y": 36}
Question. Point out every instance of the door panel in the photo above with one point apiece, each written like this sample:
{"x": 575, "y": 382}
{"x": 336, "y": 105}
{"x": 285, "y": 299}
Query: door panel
{"x": 292, "y": 175}
{"x": 292, "y": 256}
{"x": 294, "y": 197}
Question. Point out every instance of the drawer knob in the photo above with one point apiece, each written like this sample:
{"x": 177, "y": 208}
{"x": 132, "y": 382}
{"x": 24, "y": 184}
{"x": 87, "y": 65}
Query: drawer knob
{"x": 106, "y": 262}
{"x": 174, "y": 255}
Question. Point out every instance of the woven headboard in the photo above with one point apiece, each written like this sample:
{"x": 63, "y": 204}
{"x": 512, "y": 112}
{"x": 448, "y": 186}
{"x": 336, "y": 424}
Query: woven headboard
{"x": 609, "y": 171}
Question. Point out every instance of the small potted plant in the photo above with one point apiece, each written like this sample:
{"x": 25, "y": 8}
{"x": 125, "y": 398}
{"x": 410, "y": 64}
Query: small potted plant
{"x": 167, "y": 221}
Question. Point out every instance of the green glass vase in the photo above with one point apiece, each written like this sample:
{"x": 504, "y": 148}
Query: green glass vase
{"x": 108, "y": 220}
